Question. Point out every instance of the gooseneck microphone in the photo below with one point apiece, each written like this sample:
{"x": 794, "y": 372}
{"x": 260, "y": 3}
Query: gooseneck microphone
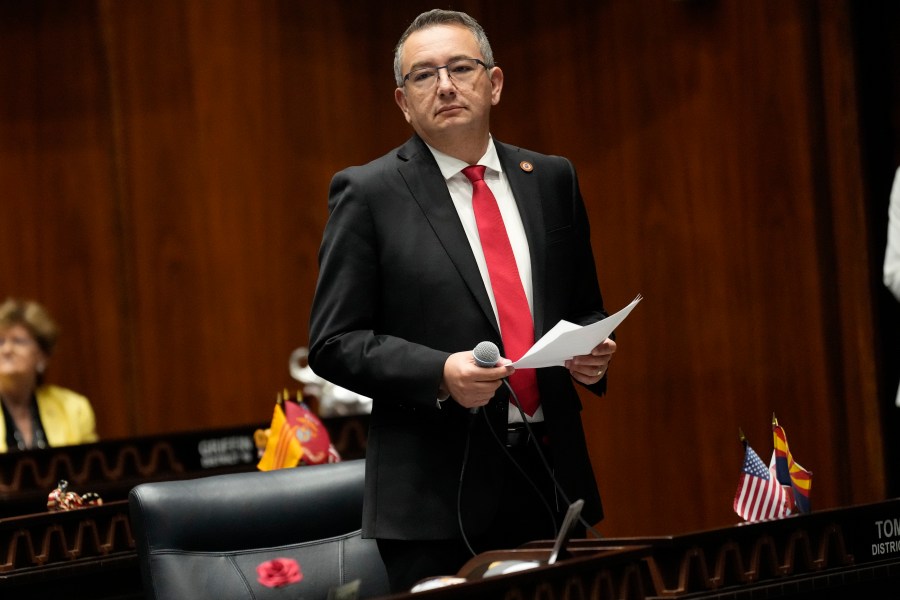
{"x": 486, "y": 355}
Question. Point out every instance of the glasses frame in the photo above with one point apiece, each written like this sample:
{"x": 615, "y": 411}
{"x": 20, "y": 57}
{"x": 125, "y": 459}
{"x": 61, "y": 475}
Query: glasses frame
{"x": 437, "y": 70}
{"x": 17, "y": 342}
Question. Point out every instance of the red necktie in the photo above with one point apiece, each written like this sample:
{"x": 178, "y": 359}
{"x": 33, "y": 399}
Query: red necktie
{"x": 516, "y": 325}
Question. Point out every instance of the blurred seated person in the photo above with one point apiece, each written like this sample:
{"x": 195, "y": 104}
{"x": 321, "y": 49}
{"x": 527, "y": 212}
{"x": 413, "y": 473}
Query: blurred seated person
{"x": 35, "y": 414}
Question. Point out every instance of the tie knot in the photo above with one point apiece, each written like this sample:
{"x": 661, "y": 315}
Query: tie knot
{"x": 474, "y": 172}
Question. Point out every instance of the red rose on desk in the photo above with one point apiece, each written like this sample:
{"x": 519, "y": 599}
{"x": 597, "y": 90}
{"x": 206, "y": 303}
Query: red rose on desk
{"x": 278, "y": 572}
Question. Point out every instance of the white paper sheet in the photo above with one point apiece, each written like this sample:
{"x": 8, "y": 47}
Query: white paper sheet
{"x": 567, "y": 339}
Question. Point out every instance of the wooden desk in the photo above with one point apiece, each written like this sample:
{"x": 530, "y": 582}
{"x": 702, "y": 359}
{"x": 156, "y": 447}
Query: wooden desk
{"x": 78, "y": 554}
{"x": 112, "y": 468}
{"x": 842, "y": 553}
{"x": 89, "y": 553}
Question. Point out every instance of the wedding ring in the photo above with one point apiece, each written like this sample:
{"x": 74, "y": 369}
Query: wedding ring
{"x": 600, "y": 372}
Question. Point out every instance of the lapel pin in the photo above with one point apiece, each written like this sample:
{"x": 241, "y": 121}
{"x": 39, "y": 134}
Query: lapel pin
{"x": 526, "y": 166}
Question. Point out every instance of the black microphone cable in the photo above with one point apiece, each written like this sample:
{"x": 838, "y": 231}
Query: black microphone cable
{"x": 462, "y": 473}
{"x": 524, "y": 474}
{"x": 486, "y": 354}
{"x": 544, "y": 461}
{"x": 518, "y": 467}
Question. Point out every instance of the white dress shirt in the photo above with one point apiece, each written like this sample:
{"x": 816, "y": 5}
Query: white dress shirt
{"x": 461, "y": 193}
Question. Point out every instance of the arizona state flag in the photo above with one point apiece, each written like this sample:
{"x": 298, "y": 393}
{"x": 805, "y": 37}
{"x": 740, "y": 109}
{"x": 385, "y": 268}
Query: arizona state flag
{"x": 283, "y": 449}
{"x": 790, "y": 473}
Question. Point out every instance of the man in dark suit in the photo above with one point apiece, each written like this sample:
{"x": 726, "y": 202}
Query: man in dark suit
{"x": 405, "y": 293}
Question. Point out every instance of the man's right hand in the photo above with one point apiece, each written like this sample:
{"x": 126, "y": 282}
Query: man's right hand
{"x": 468, "y": 384}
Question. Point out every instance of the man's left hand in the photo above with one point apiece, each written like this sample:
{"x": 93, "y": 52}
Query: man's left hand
{"x": 591, "y": 368}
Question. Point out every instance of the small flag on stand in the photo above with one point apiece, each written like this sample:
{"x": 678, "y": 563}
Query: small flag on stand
{"x": 310, "y": 432}
{"x": 296, "y": 436}
{"x": 282, "y": 446}
{"x": 759, "y": 496}
{"x": 790, "y": 473}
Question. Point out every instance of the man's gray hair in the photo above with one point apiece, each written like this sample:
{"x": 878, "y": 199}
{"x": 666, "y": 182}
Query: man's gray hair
{"x": 436, "y": 17}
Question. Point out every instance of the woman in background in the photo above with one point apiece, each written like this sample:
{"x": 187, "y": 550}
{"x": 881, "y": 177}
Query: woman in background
{"x": 35, "y": 414}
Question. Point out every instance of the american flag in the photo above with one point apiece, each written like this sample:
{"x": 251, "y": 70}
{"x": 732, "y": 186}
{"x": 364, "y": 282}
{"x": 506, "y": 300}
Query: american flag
{"x": 759, "y": 496}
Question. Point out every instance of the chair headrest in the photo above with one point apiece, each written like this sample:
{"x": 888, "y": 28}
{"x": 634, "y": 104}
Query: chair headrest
{"x": 235, "y": 511}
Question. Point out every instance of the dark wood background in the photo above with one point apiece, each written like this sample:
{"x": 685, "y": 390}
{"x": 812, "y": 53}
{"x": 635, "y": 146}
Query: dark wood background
{"x": 163, "y": 179}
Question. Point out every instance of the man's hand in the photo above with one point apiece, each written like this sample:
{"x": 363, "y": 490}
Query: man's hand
{"x": 591, "y": 368}
{"x": 472, "y": 386}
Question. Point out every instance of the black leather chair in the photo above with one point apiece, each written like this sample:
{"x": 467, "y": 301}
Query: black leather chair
{"x": 203, "y": 538}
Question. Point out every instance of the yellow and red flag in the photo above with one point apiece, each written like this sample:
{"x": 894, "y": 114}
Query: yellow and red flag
{"x": 283, "y": 449}
{"x": 296, "y": 437}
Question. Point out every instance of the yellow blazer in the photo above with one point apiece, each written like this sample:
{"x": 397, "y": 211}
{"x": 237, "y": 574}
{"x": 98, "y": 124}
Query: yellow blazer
{"x": 67, "y": 417}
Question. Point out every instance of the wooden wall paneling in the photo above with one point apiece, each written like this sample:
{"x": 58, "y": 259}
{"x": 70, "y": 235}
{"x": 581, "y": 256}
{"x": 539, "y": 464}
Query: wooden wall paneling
{"x": 208, "y": 134}
{"x": 876, "y": 27}
{"x": 855, "y": 403}
{"x": 234, "y": 119}
{"x": 197, "y": 96}
{"x": 59, "y": 216}
{"x": 165, "y": 231}
{"x": 706, "y": 176}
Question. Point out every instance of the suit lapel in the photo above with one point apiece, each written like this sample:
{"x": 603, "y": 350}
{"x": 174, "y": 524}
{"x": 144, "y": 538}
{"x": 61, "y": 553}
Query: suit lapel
{"x": 426, "y": 184}
{"x": 525, "y": 189}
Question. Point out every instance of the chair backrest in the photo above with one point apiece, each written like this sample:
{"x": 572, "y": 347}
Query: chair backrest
{"x": 204, "y": 538}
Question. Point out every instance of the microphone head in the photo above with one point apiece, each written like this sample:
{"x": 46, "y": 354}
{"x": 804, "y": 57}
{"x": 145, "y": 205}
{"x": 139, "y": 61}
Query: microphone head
{"x": 486, "y": 354}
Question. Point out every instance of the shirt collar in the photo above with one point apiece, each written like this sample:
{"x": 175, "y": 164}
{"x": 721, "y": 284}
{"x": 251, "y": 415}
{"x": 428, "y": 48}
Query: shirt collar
{"x": 451, "y": 166}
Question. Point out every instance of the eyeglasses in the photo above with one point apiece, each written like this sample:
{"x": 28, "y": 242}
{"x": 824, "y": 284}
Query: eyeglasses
{"x": 461, "y": 70}
{"x": 18, "y": 342}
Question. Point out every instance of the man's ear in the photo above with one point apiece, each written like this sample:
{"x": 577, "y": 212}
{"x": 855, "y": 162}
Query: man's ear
{"x": 400, "y": 99}
{"x": 496, "y": 85}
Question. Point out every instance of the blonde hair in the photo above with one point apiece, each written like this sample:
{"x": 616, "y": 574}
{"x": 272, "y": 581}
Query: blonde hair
{"x": 33, "y": 317}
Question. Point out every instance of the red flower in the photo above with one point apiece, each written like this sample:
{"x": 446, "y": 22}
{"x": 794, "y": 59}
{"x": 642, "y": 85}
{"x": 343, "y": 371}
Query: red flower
{"x": 278, "y": 572}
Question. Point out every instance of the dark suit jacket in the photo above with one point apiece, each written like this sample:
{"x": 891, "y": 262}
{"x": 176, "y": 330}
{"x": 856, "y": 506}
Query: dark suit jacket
{"x": 399, "y": 291}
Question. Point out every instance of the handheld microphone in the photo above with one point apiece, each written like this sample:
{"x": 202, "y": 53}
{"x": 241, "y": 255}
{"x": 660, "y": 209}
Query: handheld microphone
{"x": 486, "y": 355}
